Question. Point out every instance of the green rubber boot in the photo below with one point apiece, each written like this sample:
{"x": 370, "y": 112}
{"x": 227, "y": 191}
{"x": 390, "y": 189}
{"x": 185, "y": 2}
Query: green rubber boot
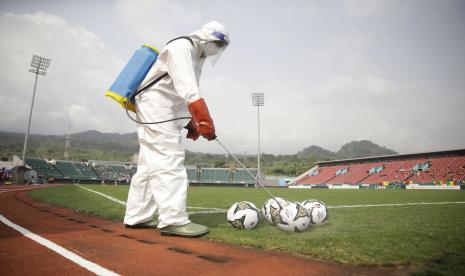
{"x": 190, "y": 230}
{"x": 152, "y": 224}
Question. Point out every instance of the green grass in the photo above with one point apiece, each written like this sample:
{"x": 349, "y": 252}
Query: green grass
{"x": 428, "y": 238}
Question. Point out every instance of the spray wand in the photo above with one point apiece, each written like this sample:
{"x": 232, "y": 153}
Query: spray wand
{"x": 247, "y": 170}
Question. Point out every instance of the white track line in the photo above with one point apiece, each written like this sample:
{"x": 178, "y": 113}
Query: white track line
{"x": 93, "y": 267}
{"x": 20, "y": 189}
{"x": 208, "y": 210}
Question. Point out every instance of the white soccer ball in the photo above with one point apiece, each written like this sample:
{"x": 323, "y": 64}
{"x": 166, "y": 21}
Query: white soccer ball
{"x": 293, "y": 217}
{"x": 317, "y": 210}
{"x": 270, "y": 209}
{"x": 243, "y": 215}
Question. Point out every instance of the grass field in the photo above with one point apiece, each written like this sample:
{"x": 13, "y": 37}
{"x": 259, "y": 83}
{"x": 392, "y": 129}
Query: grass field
{"x": 430, "y": 239}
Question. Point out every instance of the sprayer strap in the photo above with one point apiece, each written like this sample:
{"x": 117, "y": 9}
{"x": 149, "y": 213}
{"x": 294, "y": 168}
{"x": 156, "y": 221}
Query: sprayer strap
{"x": 182, "y": 37}
{"x": 153, "y": 82}
{"x": 150, "y": 84}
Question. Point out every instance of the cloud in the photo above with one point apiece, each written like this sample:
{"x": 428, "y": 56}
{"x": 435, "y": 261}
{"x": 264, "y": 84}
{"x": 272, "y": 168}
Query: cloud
{"x": 156, "y": 21}
{"x": 401, "y": 116}
{"x": 362, "y": 8}
{"x": 81, "y": 69}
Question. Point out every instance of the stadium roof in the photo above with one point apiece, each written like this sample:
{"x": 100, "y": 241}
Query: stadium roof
{"x": 433, "y": 154}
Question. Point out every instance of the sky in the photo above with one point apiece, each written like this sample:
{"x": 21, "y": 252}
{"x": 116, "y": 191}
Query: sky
{"x": 392, "y": 72}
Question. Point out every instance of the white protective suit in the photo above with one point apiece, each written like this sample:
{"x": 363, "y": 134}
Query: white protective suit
{"x": 160, "y": 182}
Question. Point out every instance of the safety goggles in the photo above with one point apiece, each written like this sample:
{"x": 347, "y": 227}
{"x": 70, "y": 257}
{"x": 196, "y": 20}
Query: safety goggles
{"x": 223, "y": 40}
{"x": 220, "y": 43}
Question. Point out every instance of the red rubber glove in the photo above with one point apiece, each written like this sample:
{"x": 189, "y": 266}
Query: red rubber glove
{"x": 201, "y": 120}
{"x": 192, "y": 130}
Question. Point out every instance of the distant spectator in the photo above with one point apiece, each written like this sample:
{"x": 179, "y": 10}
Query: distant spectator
{"x": 2, "y": 175}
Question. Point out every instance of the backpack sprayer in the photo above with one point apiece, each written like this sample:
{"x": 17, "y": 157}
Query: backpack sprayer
{"x": 127, "y": 85}
{"x": 132, "y": 75}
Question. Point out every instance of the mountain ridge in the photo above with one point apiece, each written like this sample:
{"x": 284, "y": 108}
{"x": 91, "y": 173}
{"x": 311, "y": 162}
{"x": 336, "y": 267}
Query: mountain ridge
{"x": 96, "y": 145}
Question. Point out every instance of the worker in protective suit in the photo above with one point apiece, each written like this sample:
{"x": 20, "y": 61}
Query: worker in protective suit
{"x": 160, "y": 183}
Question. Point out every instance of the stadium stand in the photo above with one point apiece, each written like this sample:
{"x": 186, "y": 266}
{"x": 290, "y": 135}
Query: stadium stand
{"x": 394, "y": 171}
{"x": 241, "y": 176}
{"x": 63, "y": 170}
{"x": 220, "y": 176}
{"x": 66, "y": 169}
{"x": 113, "y": 171}
{"x": 444, "y": 167}
{"x": 214, "y": 175}
{"x": 86, "y": 171}
{"x": 323, "y": 174}
{"x": 75, "y": 170}
{"x": 43, "y": 168}
{"x": 441, "y": 169}
{"x": 98, "y": 171}
{"x": 436, "y": 168}
{"x": 192, "y": 174}
{"x": 354, "y": 174}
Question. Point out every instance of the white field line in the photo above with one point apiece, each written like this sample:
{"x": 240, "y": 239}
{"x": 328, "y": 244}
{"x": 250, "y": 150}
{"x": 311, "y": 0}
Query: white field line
{"x": 207, "y": 210}
{"x": 211, "y": 210}
{"x": 395, "y": 204}
{"x": 93, "y": 267}
{"x": 360, "y": 206}
{"x": 104, "y": 195}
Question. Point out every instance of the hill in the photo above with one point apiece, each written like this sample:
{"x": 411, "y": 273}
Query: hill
{"x": 84, "y": 145}
{"x": 96, "y": 145}
{"x": 316, "y": 153}
{"x": 354, "y": 149}
{"x": 363, "y": 148}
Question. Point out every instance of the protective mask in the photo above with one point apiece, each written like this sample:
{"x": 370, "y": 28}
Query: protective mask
{"x": 213, "y": 50}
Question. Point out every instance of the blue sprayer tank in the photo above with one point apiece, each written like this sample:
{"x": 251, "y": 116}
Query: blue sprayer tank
{"x": 132, "y": 76}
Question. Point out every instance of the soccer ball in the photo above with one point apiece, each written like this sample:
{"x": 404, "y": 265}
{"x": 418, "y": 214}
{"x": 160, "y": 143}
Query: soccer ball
{"x": 243, "y": 215}
{"x": 318, "y": 211}
{"x": 270, "y": 209}
{"x": 293, "y": 217}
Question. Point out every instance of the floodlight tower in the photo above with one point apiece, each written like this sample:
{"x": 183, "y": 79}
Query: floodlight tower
{"x": 38, "y": 66}
{"x": 67, "y": 143}
{"x": 258, "y": 100}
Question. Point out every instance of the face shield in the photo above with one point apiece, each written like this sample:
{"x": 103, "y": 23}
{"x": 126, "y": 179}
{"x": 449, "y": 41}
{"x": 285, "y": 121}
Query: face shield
{"x": 214, "y": 48}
